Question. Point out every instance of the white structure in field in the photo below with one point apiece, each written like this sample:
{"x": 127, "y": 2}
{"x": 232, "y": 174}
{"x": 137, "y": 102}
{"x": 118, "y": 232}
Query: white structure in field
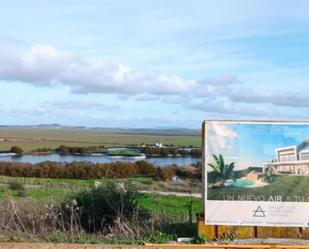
{"x": 292, "y": 160}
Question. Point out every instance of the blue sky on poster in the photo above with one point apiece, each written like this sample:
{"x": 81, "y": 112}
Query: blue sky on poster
{"x": 152, "y": 63}
{"x": 252, "y": 144}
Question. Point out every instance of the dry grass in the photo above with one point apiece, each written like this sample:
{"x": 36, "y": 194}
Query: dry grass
{"x": 32, "y": 221}
{"x": 30, "y": 138}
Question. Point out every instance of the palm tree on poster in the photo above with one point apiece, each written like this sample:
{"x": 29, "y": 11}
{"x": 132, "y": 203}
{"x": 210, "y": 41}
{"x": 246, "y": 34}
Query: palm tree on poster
{"x": 223, "y": 171}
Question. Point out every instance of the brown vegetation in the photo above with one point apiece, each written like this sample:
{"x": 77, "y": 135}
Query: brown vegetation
{"x": 193, "y": 171}
{"x": 77, "y": 170}
{"x": 88, "y": 170}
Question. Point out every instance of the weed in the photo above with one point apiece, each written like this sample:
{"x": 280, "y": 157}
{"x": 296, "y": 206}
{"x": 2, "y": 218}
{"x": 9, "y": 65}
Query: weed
{"x": 19, "y": 188}
{"x": 159, "y": 238}
{"x": 199, "y": 239}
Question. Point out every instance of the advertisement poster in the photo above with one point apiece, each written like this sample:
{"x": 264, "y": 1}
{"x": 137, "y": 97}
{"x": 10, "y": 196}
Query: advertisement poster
{"x": 256, "y": 173}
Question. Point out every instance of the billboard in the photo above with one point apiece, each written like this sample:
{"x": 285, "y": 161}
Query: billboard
{"x": 256, "y": 173}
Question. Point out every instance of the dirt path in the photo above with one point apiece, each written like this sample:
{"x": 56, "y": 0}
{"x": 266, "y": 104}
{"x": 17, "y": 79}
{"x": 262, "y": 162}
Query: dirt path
{"x": 185, "y": 194}
{"x": 197, "y": 195}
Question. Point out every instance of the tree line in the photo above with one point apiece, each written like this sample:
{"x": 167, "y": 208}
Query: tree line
{"x": 77, "y": 170}
{"x": 154, "y": 151}
{"x": 89, "y": 170}
{"x": 64, "y": 149}
{"x": 148, "y": 151}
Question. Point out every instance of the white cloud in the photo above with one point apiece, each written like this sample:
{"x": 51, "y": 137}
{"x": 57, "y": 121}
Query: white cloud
{"x": 278, "y": 97}
{"x": 225, "y": 106}
{"x": 222, "y": 130}
{"x": 81, "y": 105}
{"x": 220, "y": 136}
{"x": 45, "y": 65}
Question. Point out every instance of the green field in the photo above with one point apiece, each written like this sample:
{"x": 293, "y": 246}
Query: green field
{"x": 124, "y": 152}
{"x": 33, "y": 138}
{"x": 170, "y": 204}
{"x": 170, "y": 216}
{"x": 45, "y": 190}
{"x": 143, "y": 183}
{"x": 289, "y": 188}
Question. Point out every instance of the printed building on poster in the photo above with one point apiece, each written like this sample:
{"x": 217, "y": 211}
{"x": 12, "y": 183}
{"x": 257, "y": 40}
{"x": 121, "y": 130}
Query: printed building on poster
{"x": 292, "y": 160}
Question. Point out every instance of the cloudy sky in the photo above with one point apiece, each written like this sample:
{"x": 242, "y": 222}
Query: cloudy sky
{"x": 153, "y": 63}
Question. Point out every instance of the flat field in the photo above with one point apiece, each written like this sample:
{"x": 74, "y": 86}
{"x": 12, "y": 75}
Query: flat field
{"x": 33, "y": 138}
{"x": 56, "y": 190}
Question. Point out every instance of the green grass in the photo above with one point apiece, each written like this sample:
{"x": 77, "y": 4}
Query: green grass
{"x": 45, "y": 189}
{"x": 170, "y": 204}
{"x": 288, "y": 187}
{"x": 33, "y": 138}
{"x": 170, "y": 213}
{"x": 124, "y": 152}
{"x": 154, "y": 202}
{"x": 5, "y": 193}
{"x": 144, "y": 183}
{"x": 44, "y": 194}
{"x": 72, "y": 182}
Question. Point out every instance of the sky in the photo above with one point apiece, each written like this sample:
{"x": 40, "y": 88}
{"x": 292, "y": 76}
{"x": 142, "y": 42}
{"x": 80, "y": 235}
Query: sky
{"x": 252, "y": 144}
{"x": 152, "y": 63}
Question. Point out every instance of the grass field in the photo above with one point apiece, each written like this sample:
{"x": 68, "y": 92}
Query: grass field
{"x": 36, "y": 199}
{"x": 156, "y": 203}
{"x": 288, "y": 188}
{"x": 33, "y": 138}
{"x": 170, "y": 204}
{"x": 142, "y": 183}
{"x": 45, "y": 190}
{"x": 124, "y": 152}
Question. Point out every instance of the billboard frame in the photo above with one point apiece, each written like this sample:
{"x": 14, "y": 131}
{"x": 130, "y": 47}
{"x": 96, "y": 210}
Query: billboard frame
{"x": 204, "y": 153}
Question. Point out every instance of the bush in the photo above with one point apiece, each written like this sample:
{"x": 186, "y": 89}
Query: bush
{"x": 17, "y": 150}
{"x": 19, "y": 188}
{"x": 146, "y": 169}
{"x": 77, "y": 170}
{"x": 43, "y": 150}
{"x": 100, "y": 208}
{"x": 88, "y": 170}
{"x": 31, "y": 220}
{"x": 165, "y": 174}
{"x": 63, "y": 149}
{"x": 199, "y": 239}
{"x": 159, "y": 238}
{"x": 154, "y": 151}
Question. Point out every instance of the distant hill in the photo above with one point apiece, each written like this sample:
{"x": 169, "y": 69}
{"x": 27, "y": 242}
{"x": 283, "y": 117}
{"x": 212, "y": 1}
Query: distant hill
{"x": 150, "y": 131}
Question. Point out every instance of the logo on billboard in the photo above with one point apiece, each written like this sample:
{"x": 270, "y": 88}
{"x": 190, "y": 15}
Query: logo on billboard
{"x": 259, "y": 212}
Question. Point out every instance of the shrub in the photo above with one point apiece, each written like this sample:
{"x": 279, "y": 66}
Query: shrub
{"x": 17, "y": 150}
{"x": 159, "y": 237}
{"x": 154, "y": 151}
{"x": 199, "y": 239}
{"x": 43, "y": 150}
{"x": 31, "y": 220}
{"x": 77, "y": 170}
{"x": 165, "y": 174}
{"x": 100, "y": 208}
{"x": 19, "y": 188}
{"x": 63, "y": 149}
{"x": 196, "y": 152}
{"x": 146, "y": 168}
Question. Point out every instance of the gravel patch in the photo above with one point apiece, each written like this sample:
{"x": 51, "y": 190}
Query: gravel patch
{"x": 270, "y": 241}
